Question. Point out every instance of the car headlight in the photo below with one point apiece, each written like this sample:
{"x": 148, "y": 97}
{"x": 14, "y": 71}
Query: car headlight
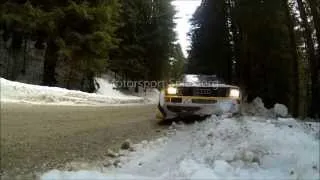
{"x": 172, "y": 90}
{"x": 234, "y": 93}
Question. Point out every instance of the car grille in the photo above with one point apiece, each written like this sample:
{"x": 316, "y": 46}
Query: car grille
{"x": 173, "y": 99}
{"x": 204, "y": 101}
{"x": 203, "y": 91}
{"x": 179, "y": 109}
{"x": 176, "y": 100}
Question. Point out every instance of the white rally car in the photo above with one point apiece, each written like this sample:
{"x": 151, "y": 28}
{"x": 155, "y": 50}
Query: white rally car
{"x": 201, "y": 95}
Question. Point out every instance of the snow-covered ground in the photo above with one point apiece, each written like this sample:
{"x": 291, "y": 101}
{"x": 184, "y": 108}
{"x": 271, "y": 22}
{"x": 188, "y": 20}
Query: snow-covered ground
{"x": 247, "y": 147}
{"x": 12, "y": 91}
{"x": 107, "y": 88}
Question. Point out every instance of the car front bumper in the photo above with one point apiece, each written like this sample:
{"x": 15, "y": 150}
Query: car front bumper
{"x": 191, "y": 106}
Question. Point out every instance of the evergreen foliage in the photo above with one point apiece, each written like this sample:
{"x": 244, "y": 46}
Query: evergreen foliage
{"x": 261, "y": 46}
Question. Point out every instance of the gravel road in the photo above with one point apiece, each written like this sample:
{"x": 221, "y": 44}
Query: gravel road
{"x": 36, "y": 138}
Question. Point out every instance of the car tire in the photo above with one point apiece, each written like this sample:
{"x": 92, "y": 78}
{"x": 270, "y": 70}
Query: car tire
{"x": 160, "y": 115}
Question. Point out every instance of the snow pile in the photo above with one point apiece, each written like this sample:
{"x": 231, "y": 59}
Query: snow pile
{"x": 280, "y": 110}
{"x": 219, "y": 148}
{"x": 20, "y": 92}
{"x": 257, "y": 108}
{"x": 106, "y": 87}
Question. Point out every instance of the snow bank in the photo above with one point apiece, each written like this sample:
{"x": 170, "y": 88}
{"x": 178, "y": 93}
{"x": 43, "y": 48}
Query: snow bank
{"x": 280, "y": 110}
{"x": 220, "y": 148}
{"x": 257, "y": 108}
{"x": 106, "y": 88}
{"x": 20, "y": 92}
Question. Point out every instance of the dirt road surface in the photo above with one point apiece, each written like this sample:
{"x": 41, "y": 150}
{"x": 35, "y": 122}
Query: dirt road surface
{"x": 41, "y": 137}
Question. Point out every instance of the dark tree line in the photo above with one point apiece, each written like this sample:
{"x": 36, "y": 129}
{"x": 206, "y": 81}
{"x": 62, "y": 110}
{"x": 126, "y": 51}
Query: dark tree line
{"x": 269, "y": 48}
{"x": 147, "y": 38}
{"x": 86, "y": 38}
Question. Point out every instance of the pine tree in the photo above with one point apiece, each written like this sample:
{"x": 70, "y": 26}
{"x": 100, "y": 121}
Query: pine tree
{"x": 17, "y": 22}
{"x": 79, "y": 33}
{"x": 177, "y": 63}
{"x": 146, "y": 39}
{"x": 315, "y": 12}
{"x": 210, "y": 53}
{"x": 162, "y": 37}
{"x": 249, "y": 39}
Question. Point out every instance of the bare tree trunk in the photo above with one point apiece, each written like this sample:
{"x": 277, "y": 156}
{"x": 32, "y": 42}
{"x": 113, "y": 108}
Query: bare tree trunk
{"x": 8, "y": 63}
{"x": 87, "y": 82}
{"x": 295, "y": 64}
{"x": 50, "y": 63}
{"x": 311, "y": 55}
{"x": 315, "y": 11}
{"x": 15, "y": 50}
{"x": 23, "y": 71}
{"x": 230, "y": 38}
{"x": 69, "y": 78}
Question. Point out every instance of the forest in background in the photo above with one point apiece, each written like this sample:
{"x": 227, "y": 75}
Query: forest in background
{"x": 270, "y": 48}
{"x": 73, "y": 41}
